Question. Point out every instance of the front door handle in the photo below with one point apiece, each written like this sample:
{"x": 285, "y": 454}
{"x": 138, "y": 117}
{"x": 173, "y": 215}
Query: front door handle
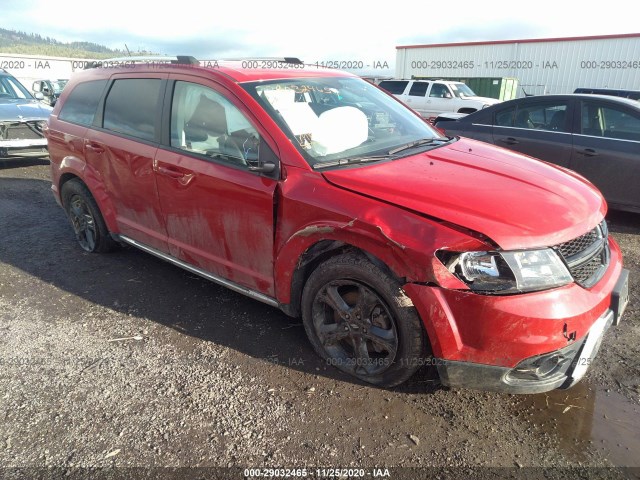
{"x": 509, "y": 141}
{"x": 588, "y": 152}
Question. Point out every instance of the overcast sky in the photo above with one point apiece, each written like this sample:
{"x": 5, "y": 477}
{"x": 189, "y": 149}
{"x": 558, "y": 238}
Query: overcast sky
{"x": 314, "y": 30}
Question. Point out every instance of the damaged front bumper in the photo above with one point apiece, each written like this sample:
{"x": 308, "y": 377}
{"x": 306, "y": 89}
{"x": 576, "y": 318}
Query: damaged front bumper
{"x": 23, "y": 138}
{"x": 23, "y": 148}
{"x": 561, "y": 368}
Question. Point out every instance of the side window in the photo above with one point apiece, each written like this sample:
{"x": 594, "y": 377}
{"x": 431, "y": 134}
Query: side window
{"x": 542, "y": 116}
{"x": 394, "y": 87}
{"x": 504, "y": 118}
{"x": 132, "y": 107}
{"x": 82, "y": 103}
{"x": 419, "y": 89}
{"x": 605, "y": 121}
{"x": 206, "y": 123}
{"x": 439, "y": 90}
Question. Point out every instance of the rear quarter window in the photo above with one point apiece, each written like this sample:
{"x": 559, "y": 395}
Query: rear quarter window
{"x": 81, "y": 104}
{"x": 395, "y": 87}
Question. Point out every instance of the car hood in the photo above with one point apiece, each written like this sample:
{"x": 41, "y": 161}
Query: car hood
{"x": 27, "y": 109}
{"x": 487, "y": 100}
{"x": 517, "y": 201}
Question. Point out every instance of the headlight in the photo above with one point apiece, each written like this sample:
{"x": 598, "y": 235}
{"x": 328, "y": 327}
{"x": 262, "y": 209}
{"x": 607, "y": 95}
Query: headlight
{"x": 508, "y": 272}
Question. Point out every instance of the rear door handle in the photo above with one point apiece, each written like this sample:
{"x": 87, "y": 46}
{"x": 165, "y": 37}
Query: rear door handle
{"x": 509, "y": 141}
{"x": 589, "y": 152}
{"x": 169, "y": 172}
{"x": 184, "y": 178}
{"x": 94, "y": 147}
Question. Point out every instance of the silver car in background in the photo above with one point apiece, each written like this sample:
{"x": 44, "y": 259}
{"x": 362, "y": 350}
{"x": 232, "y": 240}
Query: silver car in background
{"x": 22, "y": 120}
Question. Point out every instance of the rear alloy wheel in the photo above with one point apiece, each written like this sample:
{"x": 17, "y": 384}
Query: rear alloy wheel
{"x": 86, "y": 220}
{"x": 360, "y": 321}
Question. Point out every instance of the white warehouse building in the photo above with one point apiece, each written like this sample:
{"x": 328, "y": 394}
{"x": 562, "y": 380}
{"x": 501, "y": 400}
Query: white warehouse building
{"x": 541, "y": 66}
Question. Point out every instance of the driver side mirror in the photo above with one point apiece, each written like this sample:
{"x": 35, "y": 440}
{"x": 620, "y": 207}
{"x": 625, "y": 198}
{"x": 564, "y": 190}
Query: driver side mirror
{"x": 448, "y": 95}
{"x": 267, "y": 163}
{"x": 38, "y": 96}
{"x": 266, "y": 167}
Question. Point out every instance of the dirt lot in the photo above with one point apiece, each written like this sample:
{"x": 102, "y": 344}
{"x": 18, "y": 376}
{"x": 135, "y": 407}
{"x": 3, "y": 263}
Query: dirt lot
{"x": 124, "y": 360}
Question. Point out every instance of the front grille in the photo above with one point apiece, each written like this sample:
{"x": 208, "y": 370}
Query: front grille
{"x": 584, "y": 273}
{"x": 577, "y": 245}
{"x": 20, "y": 131}
{"x": 587, "y": 256}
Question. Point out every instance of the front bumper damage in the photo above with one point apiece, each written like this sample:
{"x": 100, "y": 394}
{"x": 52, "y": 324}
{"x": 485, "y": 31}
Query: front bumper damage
{"x": 22, "y": 139}
{"x": 560, "y": 368}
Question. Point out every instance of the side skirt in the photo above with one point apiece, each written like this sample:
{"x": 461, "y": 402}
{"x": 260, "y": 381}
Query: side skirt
{"x": 209, "y": 276}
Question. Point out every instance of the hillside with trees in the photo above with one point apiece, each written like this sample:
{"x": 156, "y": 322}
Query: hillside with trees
{"x": 12, "y": 41}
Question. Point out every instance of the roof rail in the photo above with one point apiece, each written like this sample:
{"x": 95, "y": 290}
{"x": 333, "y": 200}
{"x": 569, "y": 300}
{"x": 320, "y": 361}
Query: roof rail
{"x": 292, "y": 60}
{"x": 178, "y": 59}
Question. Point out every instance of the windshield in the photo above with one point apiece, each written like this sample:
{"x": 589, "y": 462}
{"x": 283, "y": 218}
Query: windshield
{"x": 331, "y": 119}
{"x": 461, "y": 90}
{"x": 11, "y": 89}
{"x": 58, "y": 85}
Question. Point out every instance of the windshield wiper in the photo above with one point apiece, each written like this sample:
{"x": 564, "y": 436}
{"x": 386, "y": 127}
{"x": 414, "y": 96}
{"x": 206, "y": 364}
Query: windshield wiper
{"x": 418, "y": 143}
{"x": 350, "y": 160}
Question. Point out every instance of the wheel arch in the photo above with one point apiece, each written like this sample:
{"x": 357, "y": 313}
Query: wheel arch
{"x": 297, "y": 260}
{"x": 97, "y": 190}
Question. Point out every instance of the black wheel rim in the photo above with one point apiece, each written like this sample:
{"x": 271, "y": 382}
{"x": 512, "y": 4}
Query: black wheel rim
{"x": 84, "y": 224}
{"x": 355, "y": 328}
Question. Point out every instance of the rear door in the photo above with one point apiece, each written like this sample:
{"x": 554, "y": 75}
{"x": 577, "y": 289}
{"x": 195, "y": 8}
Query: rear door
{"x": 416, "y": 97}
{"x": 540, "y": 129}
{"x": 120, "y": 150}
{"x": 606, "y": 150}
{"x": 219, "y": 215}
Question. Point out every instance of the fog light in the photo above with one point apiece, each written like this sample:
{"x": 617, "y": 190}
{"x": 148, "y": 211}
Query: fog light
{"x": 548, "y": 365}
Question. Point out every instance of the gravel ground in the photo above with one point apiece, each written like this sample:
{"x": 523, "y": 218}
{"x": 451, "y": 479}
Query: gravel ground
{"x": 122, "y": 360}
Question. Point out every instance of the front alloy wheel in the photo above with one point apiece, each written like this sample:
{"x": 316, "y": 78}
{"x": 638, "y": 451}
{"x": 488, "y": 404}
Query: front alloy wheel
{"x": 355, "y": 327}
{"x": 359, "y": 319}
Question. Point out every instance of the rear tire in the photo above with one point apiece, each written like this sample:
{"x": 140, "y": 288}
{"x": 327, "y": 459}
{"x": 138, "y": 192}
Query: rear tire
{"x": 87, "y": 222}
{"x": 359, "y": 320}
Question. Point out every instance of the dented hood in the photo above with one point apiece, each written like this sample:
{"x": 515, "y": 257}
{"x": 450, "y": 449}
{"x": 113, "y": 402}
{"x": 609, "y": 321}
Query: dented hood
{"x": 515, "y": 200}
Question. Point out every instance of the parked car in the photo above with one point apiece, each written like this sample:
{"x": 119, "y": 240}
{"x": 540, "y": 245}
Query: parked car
{"x": 431, "y": 98}
{"x": 632, "y": 94}
{"x": 50, "y": 89}
{"x": 315, "y": 192}
{"x": 594, "y": 135}
{"x": 22, "y": 120}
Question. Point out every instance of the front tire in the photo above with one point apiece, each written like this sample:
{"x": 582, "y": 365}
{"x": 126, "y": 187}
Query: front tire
{"x": 359, "y": 320}
{"x": 87, "y": 222}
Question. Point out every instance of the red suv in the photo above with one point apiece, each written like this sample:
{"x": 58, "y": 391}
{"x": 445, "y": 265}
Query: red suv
{"x": 318, "y": 193}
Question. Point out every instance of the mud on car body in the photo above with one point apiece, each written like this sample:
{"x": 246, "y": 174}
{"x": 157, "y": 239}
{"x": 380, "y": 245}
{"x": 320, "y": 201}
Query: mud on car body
{"x": 316, "y": 192}
{"x": 22, "y": 120}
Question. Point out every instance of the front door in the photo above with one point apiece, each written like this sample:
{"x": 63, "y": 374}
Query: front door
{"x": 218, "y": 214}
{"x": 606, "y": 150}
{"x": 538, "y": 129}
